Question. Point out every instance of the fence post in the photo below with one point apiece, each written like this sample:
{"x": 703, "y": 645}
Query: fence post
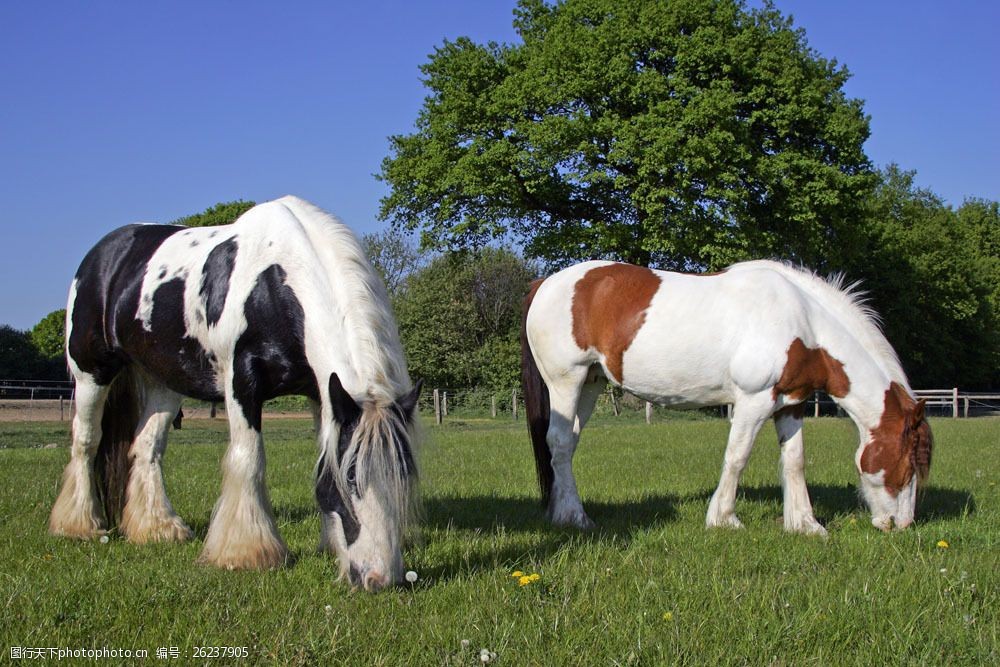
{"x": 444, "y": 404}
{"x": 816, "y": 404}
{"x": 513, "y": 403}
{"x": 61, "y": 408}
{"x": 649, "y": 412}
{"x": 966, "y": 407}
{"x": 493, "y": 407}
{"x": 729, "y": 411}
{"x": 954, "y": 403}
{"x": 437, "y": 407}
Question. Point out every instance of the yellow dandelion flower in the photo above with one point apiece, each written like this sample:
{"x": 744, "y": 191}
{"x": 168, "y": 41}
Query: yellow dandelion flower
{"x": 942, "y": 544}
{"x": 534, "y": 576}
{"x": 524, "y": 581}
{"x": 668, "y": 616}
{"x": 516, "y": 574}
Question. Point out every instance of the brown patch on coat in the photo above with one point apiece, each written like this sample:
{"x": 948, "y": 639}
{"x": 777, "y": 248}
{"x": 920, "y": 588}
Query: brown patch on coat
{"x": 901, "y": 444}
{"x": 609, "y": 307}
{"x": 810, "y": 369}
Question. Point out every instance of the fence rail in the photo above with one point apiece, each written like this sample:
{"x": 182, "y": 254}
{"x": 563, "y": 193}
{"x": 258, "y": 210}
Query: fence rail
{"x": 24, "y": 400}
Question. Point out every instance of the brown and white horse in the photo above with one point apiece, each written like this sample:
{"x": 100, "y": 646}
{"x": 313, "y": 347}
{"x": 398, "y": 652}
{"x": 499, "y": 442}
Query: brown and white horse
{"x": 760, "y": 335}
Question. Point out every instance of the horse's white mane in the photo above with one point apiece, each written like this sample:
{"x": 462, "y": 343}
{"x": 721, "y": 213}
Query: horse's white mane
{"x": 375, "y": 344}
{"x": 848, "y": 304}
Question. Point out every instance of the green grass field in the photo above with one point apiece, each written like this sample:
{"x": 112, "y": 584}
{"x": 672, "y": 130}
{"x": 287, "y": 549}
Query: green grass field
{"x": 651, "y": 586}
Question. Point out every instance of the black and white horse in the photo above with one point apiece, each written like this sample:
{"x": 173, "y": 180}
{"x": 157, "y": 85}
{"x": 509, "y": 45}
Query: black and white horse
{"x": 281, "y": 302}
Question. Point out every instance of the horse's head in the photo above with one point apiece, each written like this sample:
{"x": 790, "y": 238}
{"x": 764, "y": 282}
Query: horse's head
{"x": 368, "y": 497}
{"x": 895, "y": 460}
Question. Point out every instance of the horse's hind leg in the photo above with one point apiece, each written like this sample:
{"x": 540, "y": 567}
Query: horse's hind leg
{"x": 77, "y": 511}
{"x": 243, "y": 533}
{"x": 148, "y": 515}
{"x": 797, "y": 508}
{"x": 565, "y": 507}
{"x": 749, "y": 414}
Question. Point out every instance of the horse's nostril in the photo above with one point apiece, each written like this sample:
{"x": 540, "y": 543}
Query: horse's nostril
{"x": 375, "y": 581}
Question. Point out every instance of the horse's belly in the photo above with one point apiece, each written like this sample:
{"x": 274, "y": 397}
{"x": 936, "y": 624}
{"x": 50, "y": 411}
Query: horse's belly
{"x": 688, "y": 372}
{"x": 694, "y": 394}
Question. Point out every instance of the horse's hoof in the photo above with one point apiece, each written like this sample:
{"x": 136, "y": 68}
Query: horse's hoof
{"x": 247, "y": 557}
{"x": 173, "y": 530}
{"x": 728, "y": 521}
{"x": 578, "y": 520}
{"x": 77, "y": 527}
{"x": 806, "y": 526}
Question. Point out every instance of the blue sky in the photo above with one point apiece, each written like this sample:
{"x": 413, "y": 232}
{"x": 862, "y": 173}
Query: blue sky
{"x": 113, "y": 113}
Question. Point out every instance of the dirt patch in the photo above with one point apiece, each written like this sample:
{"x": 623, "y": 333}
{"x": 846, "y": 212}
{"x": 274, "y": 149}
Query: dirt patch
{"x": 53, "y": 411}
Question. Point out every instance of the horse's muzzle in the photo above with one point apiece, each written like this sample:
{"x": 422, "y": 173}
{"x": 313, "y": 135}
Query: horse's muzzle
{"x": 369, "y": 579}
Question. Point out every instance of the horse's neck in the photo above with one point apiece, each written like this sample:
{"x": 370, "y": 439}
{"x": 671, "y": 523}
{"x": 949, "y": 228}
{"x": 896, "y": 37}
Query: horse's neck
{"x": 870, "y": 366}
{"x": 865, "y": 401}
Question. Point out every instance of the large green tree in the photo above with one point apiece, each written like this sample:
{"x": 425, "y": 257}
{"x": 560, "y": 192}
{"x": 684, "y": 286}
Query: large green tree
{"x": 681, "y": 133}
{"x": 932, "y": 274}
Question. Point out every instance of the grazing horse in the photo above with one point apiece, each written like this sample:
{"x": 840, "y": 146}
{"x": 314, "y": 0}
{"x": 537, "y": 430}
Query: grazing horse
{"x": 283, "y": 301}
{"x": 760, "y": 335}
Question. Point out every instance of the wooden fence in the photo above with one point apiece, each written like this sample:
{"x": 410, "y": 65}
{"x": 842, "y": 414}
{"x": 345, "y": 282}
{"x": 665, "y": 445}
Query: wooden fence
{"x": 952, "y": 400}
{"x": 19, "y": 400}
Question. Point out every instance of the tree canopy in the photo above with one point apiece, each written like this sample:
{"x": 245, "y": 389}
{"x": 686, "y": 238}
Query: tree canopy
{"x": 21, "y": 360}
{"x": 49, "y": 335}
{"x": 459, "y": 319}
{"x": 681, "y": 134}
{"x": 223, "y": 213}
{"x": 394, "y": 256}
{"x": 933, "y": 274}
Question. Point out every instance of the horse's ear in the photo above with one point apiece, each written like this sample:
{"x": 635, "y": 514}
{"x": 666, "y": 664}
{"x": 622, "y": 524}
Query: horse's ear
{"x": 918, "y": 411}
{"x": 408, "y": 402}
{"x": 345, "y": 410}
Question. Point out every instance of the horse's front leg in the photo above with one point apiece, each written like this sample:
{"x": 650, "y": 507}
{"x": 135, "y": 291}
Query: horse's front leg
{"x": 243, "y": 533}
{"x": 797, "y": 508}
{"x": 749, "y": 413}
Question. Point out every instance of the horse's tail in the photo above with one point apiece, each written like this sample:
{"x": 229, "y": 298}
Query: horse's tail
{"x": 536, "y": 404}
{"x": 118, "y": 425}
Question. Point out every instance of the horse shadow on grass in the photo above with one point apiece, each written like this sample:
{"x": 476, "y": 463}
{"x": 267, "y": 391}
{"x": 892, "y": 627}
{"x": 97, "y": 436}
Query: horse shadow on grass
{"x": 828, "y": 501}
{"x": 527, "y": 534}
{"x": 618, "y": 522}
{"x": 530, "y": 536}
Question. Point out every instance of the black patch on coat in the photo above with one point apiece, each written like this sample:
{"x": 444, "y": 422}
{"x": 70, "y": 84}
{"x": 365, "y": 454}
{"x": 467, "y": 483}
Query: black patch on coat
{"x": 269, "y": 359}
{"x": 215, "y": 277}
{"x": 106, "y": 333}
{"x": 167, "y": 352}
{"x": 107, "y": 292}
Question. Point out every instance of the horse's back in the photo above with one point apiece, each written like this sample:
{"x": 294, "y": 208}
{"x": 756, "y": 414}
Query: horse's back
{"x": 677, "y": 338}
{"x": 191, "y": 304}
{"x": 104, "y": 292}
